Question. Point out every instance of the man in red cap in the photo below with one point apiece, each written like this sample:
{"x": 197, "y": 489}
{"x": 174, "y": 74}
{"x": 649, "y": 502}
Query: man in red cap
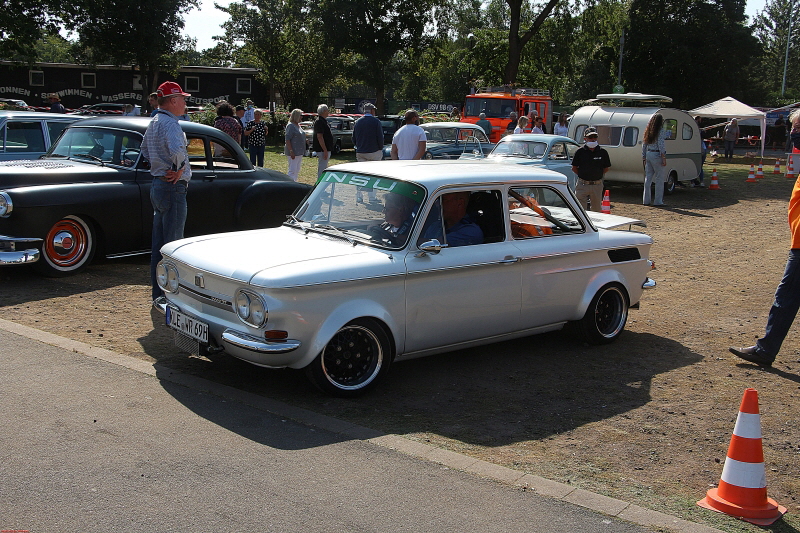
{"x": 164, "y": 146}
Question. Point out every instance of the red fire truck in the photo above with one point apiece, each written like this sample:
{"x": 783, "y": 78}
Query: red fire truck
{"x": 498, "y": 103}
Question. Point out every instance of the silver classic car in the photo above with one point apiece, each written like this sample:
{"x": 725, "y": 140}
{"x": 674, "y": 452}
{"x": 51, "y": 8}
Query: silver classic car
{"x": 446, "y": 256}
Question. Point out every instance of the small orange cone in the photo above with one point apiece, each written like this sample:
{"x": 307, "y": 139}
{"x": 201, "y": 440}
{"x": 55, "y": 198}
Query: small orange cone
{"x": 742, "y": 490}
{"x": 777, "y": 167}
{"x": 751, "y": 178}
{"x": 714, "y": 181}
{"x": 760, "y": 173}
{"x": 790, "y": 167}
{"x": 606, "y": 207}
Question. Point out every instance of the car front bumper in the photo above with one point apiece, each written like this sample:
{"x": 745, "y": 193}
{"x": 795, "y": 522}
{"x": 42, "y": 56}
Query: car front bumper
{"x": 15, "y": 251}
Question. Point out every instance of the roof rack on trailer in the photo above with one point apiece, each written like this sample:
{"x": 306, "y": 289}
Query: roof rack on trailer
{"x": 634, "y": 97}
{"x": 521, "y": 91}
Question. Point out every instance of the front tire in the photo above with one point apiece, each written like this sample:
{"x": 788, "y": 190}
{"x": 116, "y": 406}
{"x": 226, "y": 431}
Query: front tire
{"x": 353, "y": 360}
{"x": 68, "y": 247}
{"x": 606, "y": 316}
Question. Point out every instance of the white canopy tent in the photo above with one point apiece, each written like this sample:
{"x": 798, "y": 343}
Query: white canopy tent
{"x": 729, "y": 107}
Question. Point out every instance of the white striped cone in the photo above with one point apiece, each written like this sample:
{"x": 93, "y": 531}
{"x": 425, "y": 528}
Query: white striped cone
{"x": 742, "y": 490}
{"x": 714, "y": 181}
{"x": 751, "y": 177}
{"x": 606, "y": 205}
{"x": 790, "y": 167}
{"x": 760, "y": 173}
{"x": 777, "y": 169}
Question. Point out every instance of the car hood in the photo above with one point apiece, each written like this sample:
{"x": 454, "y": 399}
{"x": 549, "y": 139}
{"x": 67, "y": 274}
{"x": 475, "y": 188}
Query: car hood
{"x": 282, "y": 257}
{"x": 609, "y": 221}
{"x": 49, "y": 171}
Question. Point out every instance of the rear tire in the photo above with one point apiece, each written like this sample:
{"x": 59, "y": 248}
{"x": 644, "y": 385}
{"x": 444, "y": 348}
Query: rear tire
{"x": 353, "y": 361}
{"x": 670, "y": 183}
{"x": 337, "y": 147}
{"x": 67, "y": 248}
{"x": 606, "y": 316}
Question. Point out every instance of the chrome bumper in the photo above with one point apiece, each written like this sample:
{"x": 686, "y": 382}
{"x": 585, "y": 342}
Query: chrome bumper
{"x": 240, "y": 339}
{"x": 10, "y": 255}
{"x": 649, "y": 284}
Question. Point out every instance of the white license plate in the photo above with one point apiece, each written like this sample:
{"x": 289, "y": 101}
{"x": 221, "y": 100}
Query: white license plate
{"x": 187, "y": 325}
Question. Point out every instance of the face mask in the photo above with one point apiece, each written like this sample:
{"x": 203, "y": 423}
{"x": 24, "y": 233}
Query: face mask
{"x": 591, "y": 144}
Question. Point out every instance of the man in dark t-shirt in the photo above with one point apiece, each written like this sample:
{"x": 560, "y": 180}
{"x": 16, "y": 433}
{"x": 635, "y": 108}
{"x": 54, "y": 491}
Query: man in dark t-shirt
{"x": 590, "y": 163}
{"x": 322, "y": 140}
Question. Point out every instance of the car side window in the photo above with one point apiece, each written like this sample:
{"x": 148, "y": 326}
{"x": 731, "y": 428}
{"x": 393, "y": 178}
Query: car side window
{"x": 465, "y": 218}
{"x": 198, "y": 159}
{"x": 225, "y": 156}
{"x": 558, "y": 152}
{"x": 55, "y": 129}
{"x": 540, "y": 212}
{"x": 22, "y": 137}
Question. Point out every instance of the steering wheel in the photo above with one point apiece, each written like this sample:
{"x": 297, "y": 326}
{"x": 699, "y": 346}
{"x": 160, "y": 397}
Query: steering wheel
{"x": 380, "y": 234}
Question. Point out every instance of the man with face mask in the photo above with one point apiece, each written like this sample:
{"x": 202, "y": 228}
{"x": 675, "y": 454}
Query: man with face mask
{"x": 590, "y": 164}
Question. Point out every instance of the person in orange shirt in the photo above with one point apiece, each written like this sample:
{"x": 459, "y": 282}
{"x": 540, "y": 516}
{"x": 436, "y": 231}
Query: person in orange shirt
{"x": 787, "y": 298}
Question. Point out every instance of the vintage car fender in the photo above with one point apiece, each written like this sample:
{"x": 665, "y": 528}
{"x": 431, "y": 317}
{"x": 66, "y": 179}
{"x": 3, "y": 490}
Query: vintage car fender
{"x": 345, "y": 313}
{"x": 601, "y": 279}
{"x": 266, "y": 203}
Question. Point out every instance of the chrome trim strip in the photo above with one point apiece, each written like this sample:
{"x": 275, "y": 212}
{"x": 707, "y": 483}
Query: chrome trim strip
{"x": 127, "y": 254}
{"x": 19, "y": 257}
{"x": 214, "y": 301}
{"x": 649, "y": 283}
{"x": 544, "y": 256}
{"x": 256, "y": 344}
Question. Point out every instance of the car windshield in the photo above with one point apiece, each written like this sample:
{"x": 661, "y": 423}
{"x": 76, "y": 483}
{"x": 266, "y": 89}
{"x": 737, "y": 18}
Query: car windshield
{"x": 524, "y": 149}
{"x": 117, "y": 147}
{"x": 368, "y": 209}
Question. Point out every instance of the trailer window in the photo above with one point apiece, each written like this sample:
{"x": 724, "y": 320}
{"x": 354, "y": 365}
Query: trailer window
{"x": 631, "y": 136}
{"x": 687, "y": 132}
{"x": 671, "y": 126}
{"x": 609, "y": 135}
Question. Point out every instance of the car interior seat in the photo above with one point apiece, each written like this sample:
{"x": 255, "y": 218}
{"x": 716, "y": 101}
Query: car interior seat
{"x": 486, "y": 208}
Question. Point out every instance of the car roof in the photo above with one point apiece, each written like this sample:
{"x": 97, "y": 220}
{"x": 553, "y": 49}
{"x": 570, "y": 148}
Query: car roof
{"x": 451, "y": 125}
{"x": 539, "y": 137}
{"x": 38, "y": 116}
{"x": 435, "y": 174}
{"x": 139, "y": 124}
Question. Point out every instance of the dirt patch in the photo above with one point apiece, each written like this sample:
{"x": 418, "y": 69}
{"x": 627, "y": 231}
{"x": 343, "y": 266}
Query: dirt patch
{"x": 647, "y": 419}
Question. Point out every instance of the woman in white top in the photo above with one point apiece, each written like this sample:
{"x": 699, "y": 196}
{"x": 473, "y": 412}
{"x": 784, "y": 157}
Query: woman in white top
{"x": 561, "y": 127}
{"x": 295, "y": 144}
{"x": 521, "y": 123}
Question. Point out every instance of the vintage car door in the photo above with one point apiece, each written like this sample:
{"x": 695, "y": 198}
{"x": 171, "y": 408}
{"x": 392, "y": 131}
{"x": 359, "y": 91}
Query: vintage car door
{"x": 463, "y": 292}
{"x": 556, "y": 253}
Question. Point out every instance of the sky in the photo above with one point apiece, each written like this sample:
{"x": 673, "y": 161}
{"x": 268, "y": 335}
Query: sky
{"x": 204, "y": 23}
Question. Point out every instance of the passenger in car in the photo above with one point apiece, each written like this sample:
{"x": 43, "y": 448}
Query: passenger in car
{"x": 460, "y": 228}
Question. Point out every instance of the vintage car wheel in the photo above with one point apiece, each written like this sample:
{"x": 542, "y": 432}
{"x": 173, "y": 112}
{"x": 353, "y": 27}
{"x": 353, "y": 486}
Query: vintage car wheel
{"x": 427, "y": 155}
{"x": 606, "y": 316}
{"x": 68, "y": 246}
{"x": 353, "y": 360}
{"x": 337, "y": 147}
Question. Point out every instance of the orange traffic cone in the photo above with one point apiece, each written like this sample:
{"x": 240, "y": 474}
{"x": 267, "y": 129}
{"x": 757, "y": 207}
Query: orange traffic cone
{"x": 790, "y": 167}
{"x": 777, "y": 167}
{"x": 760, "y": 173}
{"x": 742, "y": 490}
{"x": 714, "y": 181}
{"x": 751, "y": 178}
{"x": 606, "y": 207}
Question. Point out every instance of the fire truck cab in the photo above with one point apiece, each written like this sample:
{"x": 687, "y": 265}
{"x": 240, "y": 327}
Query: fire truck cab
{"x": 498, "y": 103}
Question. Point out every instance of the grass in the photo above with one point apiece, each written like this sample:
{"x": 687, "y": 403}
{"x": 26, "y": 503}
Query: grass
{"x": 274, "y": 159}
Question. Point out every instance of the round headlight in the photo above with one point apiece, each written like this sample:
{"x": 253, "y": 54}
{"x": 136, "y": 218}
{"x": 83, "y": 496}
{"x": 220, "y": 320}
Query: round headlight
{"x": 250, "y": 308}
{"x": 243, "y": 305}
{"x": 172, "y": 278}
{"x": 161, "y": 275}
{"x": 6, "y": 206}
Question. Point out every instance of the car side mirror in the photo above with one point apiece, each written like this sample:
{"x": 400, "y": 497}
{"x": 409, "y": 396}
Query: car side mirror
{"x": 432, "y": 246}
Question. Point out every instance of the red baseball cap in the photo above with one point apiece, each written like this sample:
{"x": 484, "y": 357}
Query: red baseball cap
{"x": 170, "y": 88}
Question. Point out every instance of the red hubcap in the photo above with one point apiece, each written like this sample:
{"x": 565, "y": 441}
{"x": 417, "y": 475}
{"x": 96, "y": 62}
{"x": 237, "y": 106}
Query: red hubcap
{"x": 66, "y": 243}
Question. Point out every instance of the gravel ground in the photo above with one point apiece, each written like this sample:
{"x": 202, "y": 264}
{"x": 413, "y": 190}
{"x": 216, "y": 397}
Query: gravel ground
{"x": 646, "y": 419}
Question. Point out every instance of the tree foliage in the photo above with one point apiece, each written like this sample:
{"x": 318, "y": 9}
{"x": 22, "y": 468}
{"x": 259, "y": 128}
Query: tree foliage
{"x": 771, "y": 28}
{"x": 23, "y": 23}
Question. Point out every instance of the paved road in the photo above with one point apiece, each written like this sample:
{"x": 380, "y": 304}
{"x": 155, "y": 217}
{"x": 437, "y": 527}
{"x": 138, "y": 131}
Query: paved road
{"x": 97, "y": 446}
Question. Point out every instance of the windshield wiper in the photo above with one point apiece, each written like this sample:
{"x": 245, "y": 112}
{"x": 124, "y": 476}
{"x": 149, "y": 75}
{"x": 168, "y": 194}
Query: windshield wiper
{"x": 341, "y": 233}
{"x": 90, "y": 156}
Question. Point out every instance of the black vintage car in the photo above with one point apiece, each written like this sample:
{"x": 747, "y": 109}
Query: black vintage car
{"x": 90, "y": 194}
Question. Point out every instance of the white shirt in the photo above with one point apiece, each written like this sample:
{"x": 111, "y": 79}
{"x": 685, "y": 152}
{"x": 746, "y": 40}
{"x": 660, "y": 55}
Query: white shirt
{"x": 407, "y": 140}
{"x": 558, "y": 129}
{"x": 518, "y": 130}
{"x": 537, "y": 129}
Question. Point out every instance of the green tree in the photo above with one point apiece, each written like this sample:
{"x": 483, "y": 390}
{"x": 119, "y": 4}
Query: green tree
{"x": 23, "y": 23}
{"x": 771, "y": 28}
{"x": 520, "y": 32}
{"x": 691, "y": 50}
{"x": 376, "y": 31}
{"x": 142, "y": 33}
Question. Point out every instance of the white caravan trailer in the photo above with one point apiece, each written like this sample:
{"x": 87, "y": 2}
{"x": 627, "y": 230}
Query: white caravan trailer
{"x": 620, "y": 131}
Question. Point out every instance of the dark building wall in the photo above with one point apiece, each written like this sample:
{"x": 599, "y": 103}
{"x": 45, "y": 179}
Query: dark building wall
{"x": 79, "y": 85}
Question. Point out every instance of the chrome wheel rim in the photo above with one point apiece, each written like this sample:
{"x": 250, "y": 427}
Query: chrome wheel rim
{"x": 353, "y": 358}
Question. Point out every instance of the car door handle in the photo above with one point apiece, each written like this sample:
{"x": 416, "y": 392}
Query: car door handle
{"x": 210, "y": 177}
{"x": 509, "y": 259}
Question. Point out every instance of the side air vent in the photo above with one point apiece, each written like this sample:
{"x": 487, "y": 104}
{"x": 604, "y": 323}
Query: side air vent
{"x": 624, "y": 254}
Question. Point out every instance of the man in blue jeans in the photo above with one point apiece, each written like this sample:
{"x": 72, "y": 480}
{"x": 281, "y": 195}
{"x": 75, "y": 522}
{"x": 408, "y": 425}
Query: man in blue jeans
{"x": 164, "y": 146}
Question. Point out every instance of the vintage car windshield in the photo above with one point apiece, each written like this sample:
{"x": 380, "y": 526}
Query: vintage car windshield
{"x": 524, "y": 149}
{"x": 370, "y": 209}
{"x": 118, "y": 147}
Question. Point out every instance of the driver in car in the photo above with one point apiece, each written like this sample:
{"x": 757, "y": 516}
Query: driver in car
{"x": 398, "y": 214}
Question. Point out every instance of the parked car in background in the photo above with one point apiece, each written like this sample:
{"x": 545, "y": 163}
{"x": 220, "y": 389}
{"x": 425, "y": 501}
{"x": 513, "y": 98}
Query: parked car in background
{"x": 28, "y": 134}
{"x": 100, "y": 109}
{"x": 18, "y": 104}
{"x": 344, "y": 288}
{"x": 390, "y": 124}
{"x": 449, "y": 140}
{"x": 547, "y": 151}
{"x": 90, "y": 194}
{"x": 341, "y": 129}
